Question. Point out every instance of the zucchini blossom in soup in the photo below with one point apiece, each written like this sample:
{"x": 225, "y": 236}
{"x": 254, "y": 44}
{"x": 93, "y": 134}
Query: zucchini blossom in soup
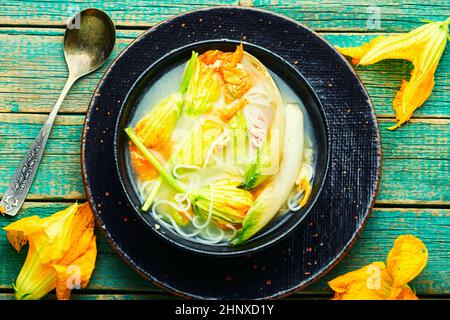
{"x": 221, "y": 156}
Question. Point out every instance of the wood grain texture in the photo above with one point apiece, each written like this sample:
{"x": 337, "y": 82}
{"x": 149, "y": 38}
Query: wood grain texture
{"x": 403, "y": 179}
{"x": 320, "y": 15}
{"x": 33, "y": 72}
{"x": 385, "y": 225}
{"x": 79, "y": 295}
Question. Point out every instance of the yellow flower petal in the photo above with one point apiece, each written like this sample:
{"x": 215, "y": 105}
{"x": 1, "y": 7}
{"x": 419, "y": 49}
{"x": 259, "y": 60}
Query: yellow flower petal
{"x": 407, "y": 294}
{"x": 57, "y": 244}
{"x": 53, "y": 242}
{"x": 196, "y": 147}
{"x": 236, "y": 80}
{"x": 35, "y": 279}
{"x": 358, "y": 52}
{"x": 379, "y": 281}
{"x": 229, "y": 112}
{"x": 18, "y": 232}
{"x": 304, "y": 186}
{"x": 155, "y": 131}
{"x": 77, "y": 274}
{"x": 81, "y": 234}
{"x": 423, "y": 46}
{"x": 229, "y": 203}
{"x": 45, "y": 233}
{"x": 405, "y": 261}
{"x": 203, "y": 91}
{"x": 371, "y": 282}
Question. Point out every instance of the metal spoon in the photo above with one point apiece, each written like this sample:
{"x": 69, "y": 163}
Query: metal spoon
{"x": 88, "y": 42}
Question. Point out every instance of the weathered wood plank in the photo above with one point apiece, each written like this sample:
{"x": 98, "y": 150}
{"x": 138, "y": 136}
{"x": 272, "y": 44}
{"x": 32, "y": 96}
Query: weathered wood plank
{"x": 384, "y": 226}
{"x": 167, "y": 296}
{"x": 321, "y": 15}
{"x": 416, "y": 158}
{"x": 79, "y": 295}
{"x": 60, "y": 167}
{"x": 416, "y": 162}
{"x": 33, "y": 71}
{"x": 382, "y": 80}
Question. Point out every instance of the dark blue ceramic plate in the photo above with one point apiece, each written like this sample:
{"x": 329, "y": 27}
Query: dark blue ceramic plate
{"x": 284, "y": 257}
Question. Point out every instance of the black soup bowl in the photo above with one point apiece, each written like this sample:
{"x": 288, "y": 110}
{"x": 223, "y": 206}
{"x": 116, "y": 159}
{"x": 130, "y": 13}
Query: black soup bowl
{"x": 279, "y": 228}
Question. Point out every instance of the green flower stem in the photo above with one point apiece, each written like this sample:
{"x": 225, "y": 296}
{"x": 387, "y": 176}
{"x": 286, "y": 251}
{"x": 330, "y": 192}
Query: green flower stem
{"x": 188, "y": 72}
{"x": 151, "y": 196}
{"x": 150, "y": 157}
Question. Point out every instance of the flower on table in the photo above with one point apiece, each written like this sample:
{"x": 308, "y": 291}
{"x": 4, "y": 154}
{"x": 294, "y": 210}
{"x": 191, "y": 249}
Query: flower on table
{"x": 423, "y": 46}
{"x": 61, "y": 254}
{"x": 380, "y": 281}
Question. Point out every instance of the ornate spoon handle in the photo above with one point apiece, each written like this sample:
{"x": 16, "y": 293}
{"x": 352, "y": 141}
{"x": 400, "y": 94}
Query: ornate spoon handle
{"x": 21, "y": 182}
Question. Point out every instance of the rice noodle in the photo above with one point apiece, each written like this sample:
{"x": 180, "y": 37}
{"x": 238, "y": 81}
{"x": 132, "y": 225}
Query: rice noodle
{"x": 193, "y": 178}
{"x": 209, "y": 211}
{"x": 258, "y": 96}
{"x": 210, "y": 237}
{"x": 183, "y": 166}
{"x": 293, "y": 201}
{"x": 172, "y": 221}
{"x": 306, "y": 171}
{"x": 202, "y": 229}
{"x": 258, "y": 114}
{"x": 256, "y": 125}
{"x": 230, "y": 226}
{"x": 223, "y": 140}
{"x": 145, "y": 187}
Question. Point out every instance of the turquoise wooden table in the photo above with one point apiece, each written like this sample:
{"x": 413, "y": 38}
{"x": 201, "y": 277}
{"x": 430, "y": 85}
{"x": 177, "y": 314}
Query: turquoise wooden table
{"x": 414, "y": 196}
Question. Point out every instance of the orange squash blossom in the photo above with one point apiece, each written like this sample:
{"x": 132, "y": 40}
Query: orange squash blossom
{"x": 423, "y": 46}
{"x": 61, "y": 254}
{"x": 385, "y": 281}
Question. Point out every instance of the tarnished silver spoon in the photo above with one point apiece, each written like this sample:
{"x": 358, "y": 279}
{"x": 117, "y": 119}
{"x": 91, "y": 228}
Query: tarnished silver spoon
{"x": 88, "y": 42}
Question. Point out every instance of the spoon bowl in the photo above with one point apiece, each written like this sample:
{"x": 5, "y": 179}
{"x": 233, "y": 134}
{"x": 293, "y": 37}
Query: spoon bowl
{"x": 88, "y": 41}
